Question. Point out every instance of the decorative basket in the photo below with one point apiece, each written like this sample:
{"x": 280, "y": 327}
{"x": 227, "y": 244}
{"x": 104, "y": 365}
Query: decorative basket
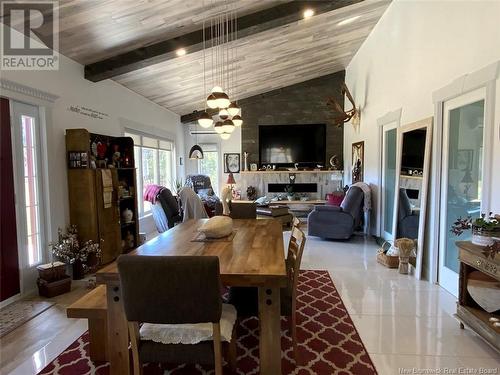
{"x": 52, "y": 271}
{"x": 390, "y": 261}
{"x": 54, "y": 288}
{"x": 387, "y": 260}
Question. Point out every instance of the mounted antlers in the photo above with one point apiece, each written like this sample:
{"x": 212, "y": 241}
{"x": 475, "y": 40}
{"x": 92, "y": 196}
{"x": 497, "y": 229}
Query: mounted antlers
{"x": 343, "y": 116}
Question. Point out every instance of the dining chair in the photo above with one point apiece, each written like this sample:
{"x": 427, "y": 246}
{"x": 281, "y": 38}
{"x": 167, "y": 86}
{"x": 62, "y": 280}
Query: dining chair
{"x": 245, "y": 299}
{"x": 174, "y": 310}
{"x": 240, "y": 210}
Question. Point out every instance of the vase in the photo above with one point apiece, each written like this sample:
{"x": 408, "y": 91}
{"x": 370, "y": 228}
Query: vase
{"x": 482, "y": 237}
{"x": 127, "y": 215}
{"x": 78, "y": 272}
{"x": 245, "y": 161}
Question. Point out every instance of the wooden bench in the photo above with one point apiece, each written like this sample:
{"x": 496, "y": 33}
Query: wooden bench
{"x": 93, "y": 306}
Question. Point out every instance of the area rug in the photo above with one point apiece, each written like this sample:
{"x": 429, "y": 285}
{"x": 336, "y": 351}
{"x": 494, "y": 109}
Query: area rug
{"x": 18, "y": 313}
{"x": 328, "y": 341}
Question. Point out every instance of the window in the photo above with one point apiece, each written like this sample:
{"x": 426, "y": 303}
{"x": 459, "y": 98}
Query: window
{"x": 31, "y": 183}
{"x": 29, "y": 186}
{"x": 209, "y": 165}
{"x": 154, "y": 163}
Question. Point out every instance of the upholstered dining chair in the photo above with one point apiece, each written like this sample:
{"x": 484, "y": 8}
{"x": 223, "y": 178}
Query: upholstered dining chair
{"x": 245, "y": 299}
{"x": 177, "y": 299}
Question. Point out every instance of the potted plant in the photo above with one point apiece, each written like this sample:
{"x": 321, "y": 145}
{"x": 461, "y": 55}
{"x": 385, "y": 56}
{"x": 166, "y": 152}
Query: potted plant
{"x": 69, "y": 250}
{"x": 485, "y": 229}
{"x": 177, "y": 185}
{"x": 289, "y": 192}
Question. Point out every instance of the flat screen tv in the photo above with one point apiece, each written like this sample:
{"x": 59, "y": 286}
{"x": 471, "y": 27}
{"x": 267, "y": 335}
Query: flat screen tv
{"x": 413, "y": 150}
{"x": 285, "y": 145}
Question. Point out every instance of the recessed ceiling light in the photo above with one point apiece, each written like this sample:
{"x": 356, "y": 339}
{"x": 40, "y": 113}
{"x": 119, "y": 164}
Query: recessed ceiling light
{"x": 348, "y": 20}
{"x": 180, "y": 52}
{"x": 308, "y": 13}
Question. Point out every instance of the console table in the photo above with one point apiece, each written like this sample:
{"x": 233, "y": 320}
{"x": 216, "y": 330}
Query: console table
{"x": 468, "y": 311}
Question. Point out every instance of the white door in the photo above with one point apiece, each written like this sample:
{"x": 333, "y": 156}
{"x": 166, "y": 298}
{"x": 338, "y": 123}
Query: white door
{"x": 388, "y": 187}
{"x": 462, "y": 178}
{"x": 25, "y": 123}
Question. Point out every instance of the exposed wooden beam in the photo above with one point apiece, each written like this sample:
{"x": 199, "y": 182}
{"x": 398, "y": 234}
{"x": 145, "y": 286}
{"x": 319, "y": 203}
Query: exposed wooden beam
{"x": 247, "y": 25}
{"x": 193, "y": 116}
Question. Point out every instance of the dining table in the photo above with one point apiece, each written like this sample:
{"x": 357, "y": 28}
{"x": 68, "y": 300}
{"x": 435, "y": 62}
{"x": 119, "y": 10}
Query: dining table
{"x": 253, "y": 256}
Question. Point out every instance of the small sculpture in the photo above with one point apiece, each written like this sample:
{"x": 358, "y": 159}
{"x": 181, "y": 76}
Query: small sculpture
{"x": 334, "y": 162}
{"x": 251, "y": 193}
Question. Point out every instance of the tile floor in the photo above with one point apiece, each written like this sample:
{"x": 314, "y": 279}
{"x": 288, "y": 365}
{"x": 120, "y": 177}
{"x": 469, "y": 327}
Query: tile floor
{"x": 404, "y": 323}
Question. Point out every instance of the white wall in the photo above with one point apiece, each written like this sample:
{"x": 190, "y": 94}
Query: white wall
{"x": 416, "y": 48}
{"x": 123, "y": 107}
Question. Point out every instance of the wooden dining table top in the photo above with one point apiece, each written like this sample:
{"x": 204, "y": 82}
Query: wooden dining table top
{"x": 253, "y": 257}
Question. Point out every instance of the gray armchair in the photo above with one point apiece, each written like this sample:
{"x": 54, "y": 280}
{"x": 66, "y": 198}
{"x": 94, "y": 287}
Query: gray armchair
{"x": 202, "y": 186}
{"x": 338, "y": 223}
{"x": 407, "y": 218}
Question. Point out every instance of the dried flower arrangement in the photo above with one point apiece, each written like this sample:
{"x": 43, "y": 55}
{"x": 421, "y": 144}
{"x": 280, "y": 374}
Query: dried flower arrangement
{"x": 487, "y": 226}
{"x": 480, "y": 224}
{"x": 68, "y": 248}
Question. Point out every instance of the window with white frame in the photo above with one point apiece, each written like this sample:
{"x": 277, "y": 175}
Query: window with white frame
{"x": 209, "y": 165}
{"x": 154, "y": 160}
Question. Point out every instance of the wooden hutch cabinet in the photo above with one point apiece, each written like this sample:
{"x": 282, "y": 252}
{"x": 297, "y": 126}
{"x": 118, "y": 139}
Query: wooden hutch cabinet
{"x": 102, "y": 191}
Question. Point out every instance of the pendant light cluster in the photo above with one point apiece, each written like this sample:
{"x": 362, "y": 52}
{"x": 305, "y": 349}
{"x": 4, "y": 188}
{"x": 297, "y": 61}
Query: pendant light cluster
{"x": 223, "y": 33}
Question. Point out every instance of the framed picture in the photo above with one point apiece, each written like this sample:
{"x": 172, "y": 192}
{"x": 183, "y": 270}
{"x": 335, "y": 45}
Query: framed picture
{"x": 232, "y": 163}
{"x": 464, "y": 160}
{"x": 358, "y": 162}
{"x": 77, "y": 159}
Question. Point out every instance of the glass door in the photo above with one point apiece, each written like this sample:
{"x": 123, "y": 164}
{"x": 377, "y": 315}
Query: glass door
{"x": 389, "y": 146}
{"x": 28, "y": 187}
{"x": 461, "y": 181}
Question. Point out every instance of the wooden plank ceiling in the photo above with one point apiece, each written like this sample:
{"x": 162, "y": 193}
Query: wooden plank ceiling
{"x": 93, "y": 30}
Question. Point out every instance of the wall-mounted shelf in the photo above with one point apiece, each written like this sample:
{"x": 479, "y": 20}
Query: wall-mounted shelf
{"x": 411, "y": 177}
{"x": 296, "y": 172}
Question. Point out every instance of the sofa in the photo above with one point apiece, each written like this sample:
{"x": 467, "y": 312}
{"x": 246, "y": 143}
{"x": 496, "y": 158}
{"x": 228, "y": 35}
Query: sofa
{"x": 338, "y": 222}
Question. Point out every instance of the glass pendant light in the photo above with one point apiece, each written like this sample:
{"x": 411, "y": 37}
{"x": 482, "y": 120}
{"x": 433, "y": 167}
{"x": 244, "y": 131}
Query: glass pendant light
{"x": 218, "y": 127}
{"x": 237, "y": 120}
{"x": 222, "y": 99}
{"x": 228, "y": 126}
{"x": 205, "y": 120}
{"x": 225, "y": 136}
{"x": 212, "y": 101}
{"x": 196, "y": 152}
{"x": 223, "y": 114}
{"x": 233, "y": 109}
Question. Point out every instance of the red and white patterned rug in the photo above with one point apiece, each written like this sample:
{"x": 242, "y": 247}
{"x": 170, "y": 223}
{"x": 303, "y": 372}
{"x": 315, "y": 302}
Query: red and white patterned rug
{"x": 328, "y": 341}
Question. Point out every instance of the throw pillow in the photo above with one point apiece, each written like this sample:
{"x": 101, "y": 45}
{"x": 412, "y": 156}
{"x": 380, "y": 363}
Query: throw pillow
{"x": 334, "y": 199}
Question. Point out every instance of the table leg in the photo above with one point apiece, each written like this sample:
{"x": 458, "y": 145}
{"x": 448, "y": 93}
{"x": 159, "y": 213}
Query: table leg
{"x": 118, "y": 341}
{"x": 98, "y": 340}
{"x": 270, "y": 332}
